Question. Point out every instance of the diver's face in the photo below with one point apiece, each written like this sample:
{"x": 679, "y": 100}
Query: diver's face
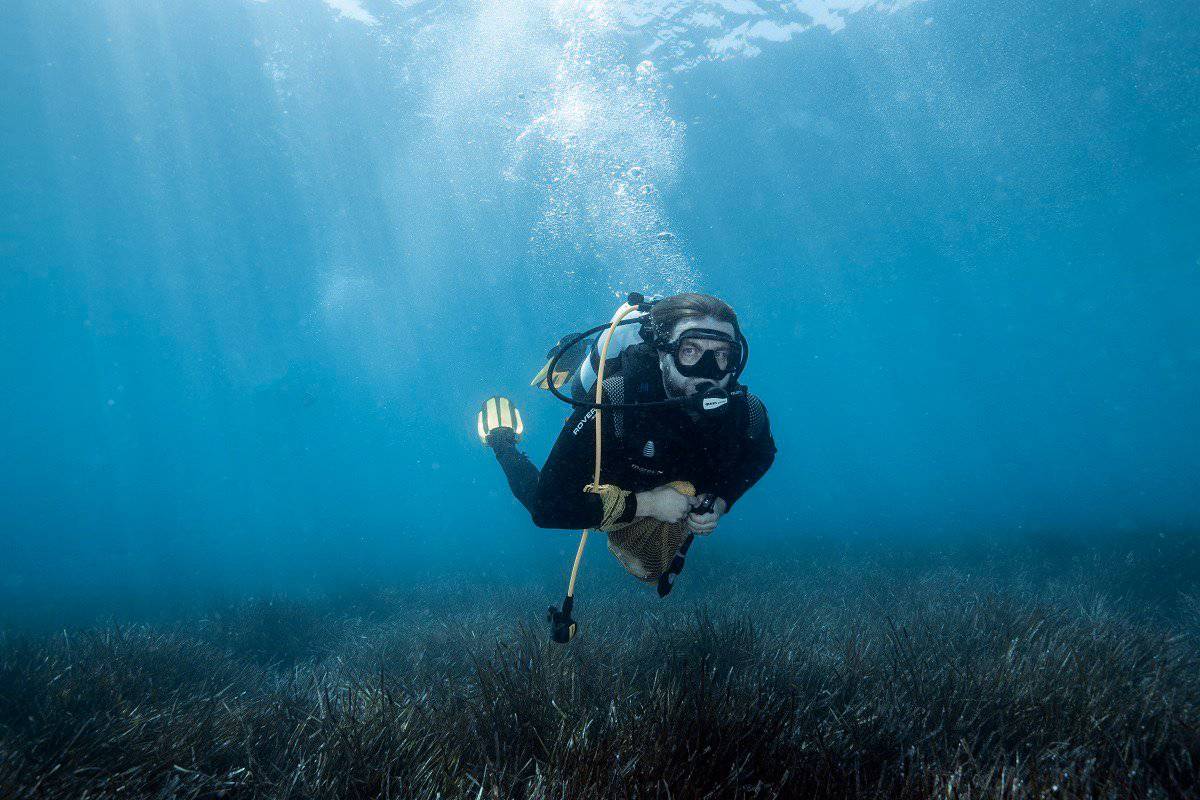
{"x": 679, "y": 385}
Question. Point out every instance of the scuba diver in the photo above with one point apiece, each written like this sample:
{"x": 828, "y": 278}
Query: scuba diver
{"x": 661, "y": 415}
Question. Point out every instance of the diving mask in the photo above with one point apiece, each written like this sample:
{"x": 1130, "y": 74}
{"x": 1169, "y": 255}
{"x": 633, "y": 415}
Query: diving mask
{"x": 705, "y": 353}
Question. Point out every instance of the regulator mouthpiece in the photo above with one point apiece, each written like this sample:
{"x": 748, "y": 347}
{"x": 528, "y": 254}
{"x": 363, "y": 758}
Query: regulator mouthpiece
{"x": 709, "y": 398}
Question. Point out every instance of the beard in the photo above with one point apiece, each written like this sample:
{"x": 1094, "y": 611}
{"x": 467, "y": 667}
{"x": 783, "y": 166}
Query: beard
{"x": 675, "y": 384}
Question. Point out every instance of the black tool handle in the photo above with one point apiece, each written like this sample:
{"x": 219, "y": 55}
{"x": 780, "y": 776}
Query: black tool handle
{"x": 707, "y": 503}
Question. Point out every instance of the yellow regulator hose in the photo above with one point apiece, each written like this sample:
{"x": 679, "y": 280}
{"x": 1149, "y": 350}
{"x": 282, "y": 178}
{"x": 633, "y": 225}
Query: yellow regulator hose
{"x": 595, "y": 486}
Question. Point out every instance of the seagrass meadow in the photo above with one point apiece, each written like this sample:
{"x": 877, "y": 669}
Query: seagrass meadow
{"x": 263, "y": 262}
{"x": 852, "y": 671}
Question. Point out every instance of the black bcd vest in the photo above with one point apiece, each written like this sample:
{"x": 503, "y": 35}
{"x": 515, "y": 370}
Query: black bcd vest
{"x": 716, "y": 439}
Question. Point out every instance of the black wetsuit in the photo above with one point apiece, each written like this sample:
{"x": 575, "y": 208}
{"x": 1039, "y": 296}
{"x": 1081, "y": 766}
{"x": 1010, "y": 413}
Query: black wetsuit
{"x": 643, "y": 449}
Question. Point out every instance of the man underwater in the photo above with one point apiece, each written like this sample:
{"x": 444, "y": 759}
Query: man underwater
{"x": 670, "y": 455}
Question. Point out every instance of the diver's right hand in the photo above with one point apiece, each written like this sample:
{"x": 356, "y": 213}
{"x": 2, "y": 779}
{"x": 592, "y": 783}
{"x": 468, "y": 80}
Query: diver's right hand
{"x": 665, "y": 504}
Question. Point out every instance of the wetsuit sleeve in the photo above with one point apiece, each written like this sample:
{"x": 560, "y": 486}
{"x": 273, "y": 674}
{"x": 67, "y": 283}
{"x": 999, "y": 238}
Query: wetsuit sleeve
{"x": 561, "y": 501}
{"x": 758, "y": 453}
{"x": 522, "y": 475}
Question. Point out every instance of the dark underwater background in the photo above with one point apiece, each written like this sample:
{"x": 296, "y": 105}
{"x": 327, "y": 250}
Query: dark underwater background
{"x": 261, "y": 261}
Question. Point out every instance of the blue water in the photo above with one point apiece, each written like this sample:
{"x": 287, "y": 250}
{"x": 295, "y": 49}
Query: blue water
{"x": 261, "y": 262}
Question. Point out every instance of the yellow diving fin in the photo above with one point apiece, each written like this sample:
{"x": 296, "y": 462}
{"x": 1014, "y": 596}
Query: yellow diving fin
{"x": 542, "y": 379}
{"x": 567, "y": 364}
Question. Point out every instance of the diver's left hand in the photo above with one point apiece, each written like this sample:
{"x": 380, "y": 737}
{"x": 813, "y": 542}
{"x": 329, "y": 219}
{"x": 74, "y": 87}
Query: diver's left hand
{"x": 707, "y": 523}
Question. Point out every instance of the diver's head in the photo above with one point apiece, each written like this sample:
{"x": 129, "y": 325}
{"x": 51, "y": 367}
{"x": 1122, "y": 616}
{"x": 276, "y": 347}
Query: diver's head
{"x": 698, "y": 341}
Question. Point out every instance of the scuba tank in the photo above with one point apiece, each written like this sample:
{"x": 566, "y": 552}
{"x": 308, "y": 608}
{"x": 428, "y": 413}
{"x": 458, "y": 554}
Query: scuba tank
{"x": 572, "y": 364}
